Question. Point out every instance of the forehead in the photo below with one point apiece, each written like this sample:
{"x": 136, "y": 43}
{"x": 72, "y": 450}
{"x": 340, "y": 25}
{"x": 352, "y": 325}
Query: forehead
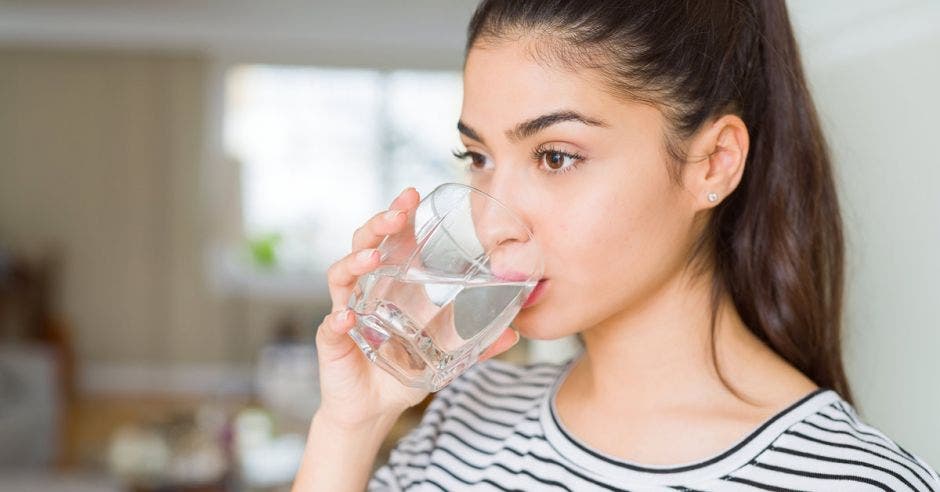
{"x": 504, "y": 81}
{"x": 505, "y": 78}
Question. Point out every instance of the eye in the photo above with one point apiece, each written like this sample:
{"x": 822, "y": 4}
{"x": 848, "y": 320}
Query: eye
{"x": 556, "y": 161}
{"x": 477, "y": 161}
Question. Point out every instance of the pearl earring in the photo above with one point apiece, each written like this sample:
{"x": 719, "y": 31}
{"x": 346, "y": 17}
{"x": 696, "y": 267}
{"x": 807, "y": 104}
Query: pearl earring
{"x": 713, "y": 197}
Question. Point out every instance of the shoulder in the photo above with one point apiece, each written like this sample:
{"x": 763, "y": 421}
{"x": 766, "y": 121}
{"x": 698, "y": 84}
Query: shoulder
{"x": 475, "y": 413}
{"x": 496, "y": 379}
{"x": 835, "y": 440}
{"x": 492, "y": 390}
{"x": 492, "y": 396}
{"x": 497, "y": 389}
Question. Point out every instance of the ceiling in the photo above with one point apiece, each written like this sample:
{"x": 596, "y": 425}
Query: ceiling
{"x": 416, "y": 33}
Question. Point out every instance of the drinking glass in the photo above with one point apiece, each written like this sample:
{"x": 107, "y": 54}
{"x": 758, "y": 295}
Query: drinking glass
{"x": 447, "y": 286}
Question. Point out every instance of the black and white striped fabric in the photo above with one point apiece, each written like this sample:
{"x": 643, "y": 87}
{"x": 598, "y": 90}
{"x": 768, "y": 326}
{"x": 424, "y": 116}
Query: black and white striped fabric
{"x": 495, "y": 428}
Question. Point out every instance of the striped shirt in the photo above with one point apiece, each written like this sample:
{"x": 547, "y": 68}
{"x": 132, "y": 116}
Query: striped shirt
{"x": 496, "y": 428}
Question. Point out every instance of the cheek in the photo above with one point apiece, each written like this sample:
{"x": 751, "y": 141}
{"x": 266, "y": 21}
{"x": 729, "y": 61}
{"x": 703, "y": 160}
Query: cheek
{"x": 587, "y": 235}
{"x": 601, "y": 256}
{"x": 623, "y": 234}
{"x": 605, "y": 239}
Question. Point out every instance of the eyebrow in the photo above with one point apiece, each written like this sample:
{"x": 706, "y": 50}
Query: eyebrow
{"x": 531, "y": 127}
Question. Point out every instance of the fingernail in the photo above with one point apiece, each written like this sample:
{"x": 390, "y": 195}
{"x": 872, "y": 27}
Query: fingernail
{"x": 402, "y": 193}
{"x": 365, "y": 255}
{"x": 392, "y": 214}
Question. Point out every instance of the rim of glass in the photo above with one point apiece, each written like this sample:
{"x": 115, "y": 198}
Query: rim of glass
{"x": 540, "y": 267}
{"x": 502, "y": 205}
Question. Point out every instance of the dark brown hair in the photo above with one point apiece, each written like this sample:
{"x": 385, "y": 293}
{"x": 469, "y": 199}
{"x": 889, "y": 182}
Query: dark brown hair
{"x": 775, "y": 244}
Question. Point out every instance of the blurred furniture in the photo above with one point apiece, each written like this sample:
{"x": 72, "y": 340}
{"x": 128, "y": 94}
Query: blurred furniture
{"x": 36, "y": 362}
{"x": 29, "y": 406}
{"x": 27, "y": 480}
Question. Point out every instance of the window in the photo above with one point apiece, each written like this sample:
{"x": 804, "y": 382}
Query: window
{"x": 321, "y": 150}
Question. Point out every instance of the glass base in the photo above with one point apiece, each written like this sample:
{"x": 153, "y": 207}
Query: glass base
{"x": 403, "y": 351}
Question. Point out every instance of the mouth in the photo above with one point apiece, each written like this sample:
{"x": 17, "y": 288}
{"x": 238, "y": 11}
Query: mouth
{"x": 536, "y": 293}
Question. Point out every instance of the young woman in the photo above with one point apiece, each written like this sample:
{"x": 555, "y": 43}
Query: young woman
{"x": 668, "y": 156}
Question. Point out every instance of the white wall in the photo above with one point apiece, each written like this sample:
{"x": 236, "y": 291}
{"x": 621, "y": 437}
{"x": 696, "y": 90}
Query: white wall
{"x": 875, "y": 83}
{"x": 100, "y": 158}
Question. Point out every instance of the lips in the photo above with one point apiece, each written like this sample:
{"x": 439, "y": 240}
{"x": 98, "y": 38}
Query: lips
{"x": 536, "y": 294}
{"x": 510, "y": 276}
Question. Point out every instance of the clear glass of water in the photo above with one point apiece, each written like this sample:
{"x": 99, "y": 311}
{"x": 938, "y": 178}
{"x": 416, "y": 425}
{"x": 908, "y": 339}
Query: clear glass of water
{"x": 448, "y": 284}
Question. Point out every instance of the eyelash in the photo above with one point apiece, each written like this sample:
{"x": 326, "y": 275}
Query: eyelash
{"x": 537, "y": 155}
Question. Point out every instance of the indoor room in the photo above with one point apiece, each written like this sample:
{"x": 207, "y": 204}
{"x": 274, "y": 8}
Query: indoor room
{"x": 177, "y": 179}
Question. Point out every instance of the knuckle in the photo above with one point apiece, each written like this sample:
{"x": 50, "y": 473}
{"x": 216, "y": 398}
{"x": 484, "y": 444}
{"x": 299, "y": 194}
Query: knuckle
{"x": 327, "y": 320}
{"x": 332, "y": 273}
{"x": 375, "y": 222}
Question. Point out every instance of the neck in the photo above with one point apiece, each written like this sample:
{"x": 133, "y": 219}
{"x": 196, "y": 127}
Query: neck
{"x": 661, "y": 348}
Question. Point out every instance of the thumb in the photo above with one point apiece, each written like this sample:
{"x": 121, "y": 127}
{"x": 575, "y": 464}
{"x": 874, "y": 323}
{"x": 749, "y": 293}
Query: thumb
{"x": 506, "y": 340}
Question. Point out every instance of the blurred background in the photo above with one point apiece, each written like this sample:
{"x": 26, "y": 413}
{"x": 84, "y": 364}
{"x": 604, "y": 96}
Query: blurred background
{"x": 175, "y": 177}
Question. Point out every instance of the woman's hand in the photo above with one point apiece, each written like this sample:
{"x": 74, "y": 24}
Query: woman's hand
{"x": 359, "y": 402}
{"x": 355, "y": 392}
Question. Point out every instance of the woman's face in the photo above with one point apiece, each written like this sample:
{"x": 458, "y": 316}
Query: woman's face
{"x": 588, "y": 175}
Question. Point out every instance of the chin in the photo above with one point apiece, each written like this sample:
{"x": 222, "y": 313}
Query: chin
{"x": 541, "y": 322}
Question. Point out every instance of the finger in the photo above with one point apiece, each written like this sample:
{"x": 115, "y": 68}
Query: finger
{"x": 332, "y": 341}
{"x": 506, "y": 340}
{"x": 406, "y": 200}
{"x": 385, "y": 223}
{"x": 370, "y": 234}
{"x": 342, "y": 275}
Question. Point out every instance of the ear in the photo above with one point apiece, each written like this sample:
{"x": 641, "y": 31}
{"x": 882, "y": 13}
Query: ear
{"x": 717, "y": 154}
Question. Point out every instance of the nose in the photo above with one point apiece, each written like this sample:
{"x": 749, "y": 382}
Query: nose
{"x": 496, "y": 224}
{"x": 503, "y": 229}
